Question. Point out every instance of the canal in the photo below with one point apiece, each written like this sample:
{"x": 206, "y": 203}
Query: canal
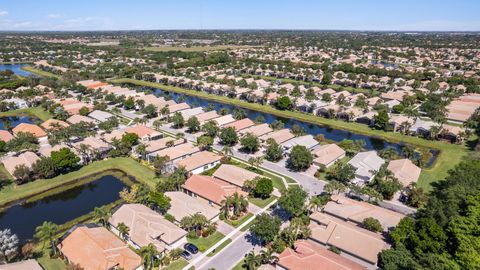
{"x": 17, "y": 69}
{"x": 61, "y": 207}
{"x": 332, "y": 134}
{"x": 10, "y": 122}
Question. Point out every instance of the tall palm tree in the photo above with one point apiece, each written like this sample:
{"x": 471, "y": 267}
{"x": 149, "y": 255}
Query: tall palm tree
{"x": 268, "y": 257}
{"x": 101, "y": 214}
{"x": 148, "y": 254}
{"x": 123, "y": 230}
{"x": 227, "y": 151}
{"x": 316, "y": 203}
{"x": 47, "y": 232}
{"x": 84, "y": 150}
{"x": 252, "y": 261}
{"x": 142, "y": 151}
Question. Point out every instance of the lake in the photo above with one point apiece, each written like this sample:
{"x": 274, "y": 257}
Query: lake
{"x": 336, "y": 135}
{"x": 13, "y": 121}
{"x": 17, "y": 69}
{"x": 62, "y": 207}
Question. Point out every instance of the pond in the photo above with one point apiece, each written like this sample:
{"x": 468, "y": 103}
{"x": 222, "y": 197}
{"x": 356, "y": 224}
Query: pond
{"x": 13, "y": 121}
{"x": 59, "y": 208}
{"x": 329, "y": 133}
{"x": 17, "y": 69}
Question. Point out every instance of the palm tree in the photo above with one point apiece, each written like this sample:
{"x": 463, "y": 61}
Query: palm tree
{"x": 226, "y": 205}
{"x": 268, "y": 257}
{"x": 123, "y": 230}
{"x": 317, "y": 202}
{"x": 227, "y": 151}
{"x": 83, "y": 150}
{"x": 101, "y": 214}
{"x": 148, "y": 254}
{"x": 142, "y": 151}
{"x": 252, "y": 261}
{"x": 47, "y": 232}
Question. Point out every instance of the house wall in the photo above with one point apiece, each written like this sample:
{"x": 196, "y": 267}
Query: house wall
{"x": 204, "y": 168}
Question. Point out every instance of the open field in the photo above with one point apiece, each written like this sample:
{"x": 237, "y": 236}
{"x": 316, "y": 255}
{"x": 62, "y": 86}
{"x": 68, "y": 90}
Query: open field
{"x": 40, "y": 72}
{"x": 33, "y": 111}
{"x": 195, "y": 48}
{"x": 131, "y": 167}
{"x": 450, "y": 154}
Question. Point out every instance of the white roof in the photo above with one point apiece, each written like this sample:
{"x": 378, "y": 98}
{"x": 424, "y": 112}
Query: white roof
{"x": 366, "y": 163}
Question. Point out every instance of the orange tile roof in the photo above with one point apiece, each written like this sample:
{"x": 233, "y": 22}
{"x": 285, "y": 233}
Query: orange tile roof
{"x": 30, "y": 128}
{"x": 198, "y": 160}
{"x": 309, "y": 256}
{"x": 143, "y": 131}
{"x": 98, "y": 249}
{"x": 404, "y": 170}
{"x": 5, "y": 136}
{"x": 240, "y": 124}
{"x": 50, "y": 124}
{"x": 212, "y": 189}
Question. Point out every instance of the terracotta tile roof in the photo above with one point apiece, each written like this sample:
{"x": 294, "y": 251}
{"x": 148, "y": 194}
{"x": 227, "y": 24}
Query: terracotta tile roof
{"x": 347, "y": 237}
{"x": 182, "y": 205}
{"x": 198, "y": 160}
{"x": 234, "y": 175}
{"x": 97, "y": 248}
{"x": 93, "y": 142}
{"x": 223, "y": 120}
{"x": 5, "y": 136}
{"x": 241, "y": 124}
{"x": 278, "y": 136}
{"x": 356, "y": 211}
{"x": 50, "y": 124}
{"x": 178, "y": 107}
{"x": 147, "y": 226}
{"x": 309, "y": 255}
{"x": 257, "y": 130}
{"x": 143, "y": 131}
{"x": 206, "y": 116}
{"x": 178, "y": 151}
{"x": 30, "y": 128}
{"x": 328, "y": 153}
{"x": 404, "y": 170}
{"x": 156, "y": 145}
{"x": 77, "y": 118}
{"x": 30, "y": 264}
{"x": 210, "y": 188}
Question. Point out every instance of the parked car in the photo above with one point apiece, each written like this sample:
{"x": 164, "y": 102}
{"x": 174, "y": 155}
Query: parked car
{"x": 186, "y": 255}
{"x": 191, "y": 248}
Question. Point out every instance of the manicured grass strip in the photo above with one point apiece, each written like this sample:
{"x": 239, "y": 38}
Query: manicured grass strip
{"x": 204, "y": 243}
{"x": 51, "y": 264}
{"x": 238, "y": 222}
{"x": 276, "y": 180}
{"x": 450, "y": 154}
{"x": 261, "y": 203}
{"x": 239, "y": 265}
{"x": 40, "y": 72}
{"x": 34, "y": 111}
{"x": 131, "y": 167}
{"x": 219, "y": 248}
{"x": 176, "y": 265}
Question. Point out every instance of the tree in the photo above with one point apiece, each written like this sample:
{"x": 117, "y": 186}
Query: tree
{"x": 263, "y": 188}
{"x": 293, "y": 201}
{"x": 8, "y": 245}
{"x": 123, "y": 230}
{"x": 385, "y": 183}
{"x": 159, "y": 164}
{"x": 372, "y": 224}
{"x": 210, "y": 128}
{"x": 266, "y": 227}
{"x": 204, "y": 142}
{"x": 84, "y": 111}
{"x": 381, "y": 120}
{"x": 252, "y": 261}
{"x": 44, "y": 168}
{"x": 416, "y": 197}
{"x": 101, "y": 215}
{"x": 177, "y": 120}
{"x": 227, "y": 151}
{"x": 64, "y": 159}
{"x": 159, "y": 201}
{"x": 342, "y": 172}
{"x": 335, "y": 187}
{"x": 327, "y": 78}
{"x": 274, "y": 151}
{"x": 150, "y": 111}
{"x": 193, "y": 124}
{"x": 21, "y": 173}
{"x": 148, "y": 254}
{"x": 47, "y": 232}
{"x": 300, "y": 158}
{"x": 318, "y": 202}
{"x": 297, "y": 229}
{"x": 129, "y": 103}
{"x": 239, "y": 114}
{"x": 284, "y": 103}
{"x": 250, "y": 143}
{"x": 129, "y": 139}
{"x": 236, "y": 204}
{"x": 228, "y": 136}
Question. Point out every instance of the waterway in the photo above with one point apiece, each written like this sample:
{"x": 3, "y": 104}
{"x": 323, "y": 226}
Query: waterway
{"x": 17, "y": 69}
{"x": 59, "y": 208}
{"x": 13, "y": 121}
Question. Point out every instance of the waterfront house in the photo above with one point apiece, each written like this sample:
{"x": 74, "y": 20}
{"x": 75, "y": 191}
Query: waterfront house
{"x": 257, "y": 130}
{"x": 29, "y": 128}
{"x": 182, "y": 205}
{"x": 405, "y": 171}
{"x": 29, "y": 264}
{"x": 366, "y": 164}
{"x": 328, "y": 154}
{"x": 307, "y": 140}
{"x": 279, "y": 136}
{"x": 54, "y": 124}
{"x": 240, "y": 124}
{"x": 5, "y": 136}
{"x": 26, "y": 158}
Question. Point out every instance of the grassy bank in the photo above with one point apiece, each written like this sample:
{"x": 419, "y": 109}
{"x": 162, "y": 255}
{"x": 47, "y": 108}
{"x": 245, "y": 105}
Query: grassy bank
{"x": 40, "y": 72}
{"x": 34, "y": 111}
{"x": 450, "y": 154}
{"x": 16, "y": 62}
{"x": 129, "y": 166}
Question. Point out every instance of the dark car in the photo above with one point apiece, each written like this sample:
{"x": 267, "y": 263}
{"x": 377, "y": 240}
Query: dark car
{"x": 186, "y": 255}
{"x": 191, "y": 248}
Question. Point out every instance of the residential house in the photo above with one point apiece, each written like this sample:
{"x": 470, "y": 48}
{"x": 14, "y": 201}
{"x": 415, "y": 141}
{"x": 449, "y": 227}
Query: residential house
{"x": 328, "y": 154}
{"x": 29, "y": 264}
{"x": 257, "y": 130}
{"x": 199, "y": 162}
{"x": 77, "y": 118}
{"x": 279, "y": 136}
{"x": 175, "y": 153}
{"x": 234, "y": 175}
{"x": 100, "y": 116}
{"x": 223, "y": 120}
{"x": 182, "y": 205}
{"x": 366, "y": 164}
{"x": 240, "y": 124}
{"x": 307, "y": 140}
{"x": 144, "y": 133}
{"x": 405, "y": 171}
{"x": 212, "y": 190}
{"x": 54, "y": 124}
{"x": 5, "y": 136}
{"x": 26, "y": 158}
{"x": 29, "y": 128}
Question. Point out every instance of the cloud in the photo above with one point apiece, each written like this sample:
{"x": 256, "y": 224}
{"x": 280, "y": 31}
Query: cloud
{"x": 3, "y": 12}
{"x": 54, "y": 15}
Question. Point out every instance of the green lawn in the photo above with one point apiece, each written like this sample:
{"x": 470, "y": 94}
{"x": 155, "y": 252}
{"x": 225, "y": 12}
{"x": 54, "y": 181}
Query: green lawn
{"x": 40, "y": 72}
{"x": 51, "y": 264}
{"x": 34, "y": 111}
{"x": 219, "y": 248}
{"x": 238, "y": 222}
{"x": 239, "y": 266}
{"x": 176, "y": 265}
{"x": 207, "y": 242}
{"x": 131, "y": 167}
{"x": 276, "y": 180}
{"x": 261, "y": 203}
{"x": 450, "y": 154}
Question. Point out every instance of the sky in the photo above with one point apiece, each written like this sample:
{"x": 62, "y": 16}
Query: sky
{"x": 383, "y": 15}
